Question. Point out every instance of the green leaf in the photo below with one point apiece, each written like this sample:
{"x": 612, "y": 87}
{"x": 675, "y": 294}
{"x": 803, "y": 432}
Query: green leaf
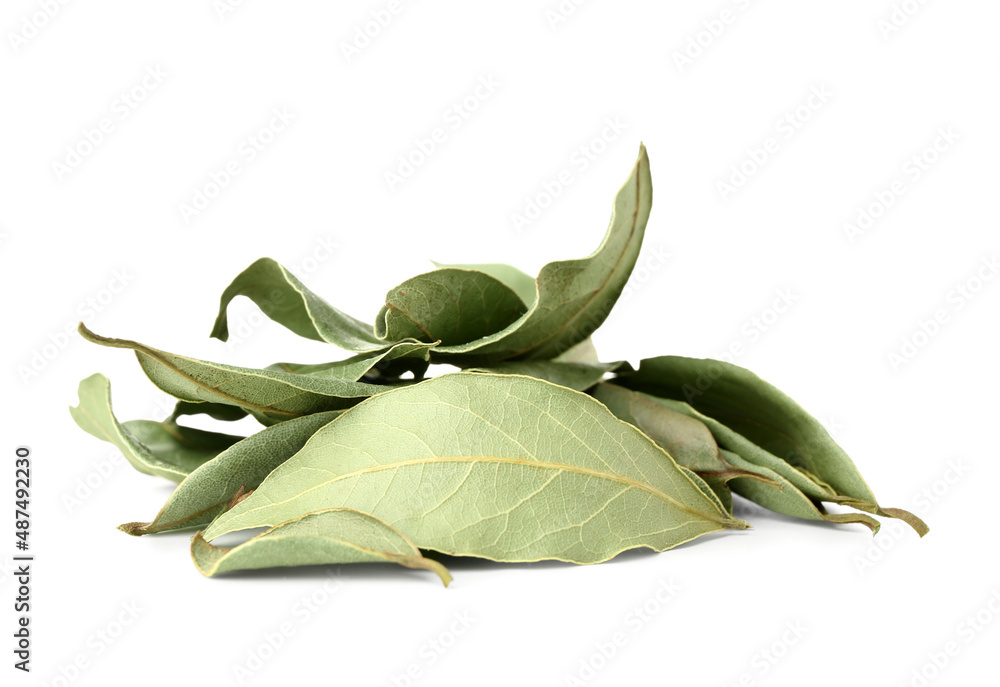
{"x": 268, "y": 395}
{"x": 165, "y": 449}
{"x": 521, "y": 283}
{"x": 288, "y": 302}
{"x": 781, "y": 496}
{"x": 574, "y": 296}
{"x": 240, "y": 468}
{"x": 687, "y": 440}
{"x": 764, "y": 415}
{"x": 406, "y": 356}
{"x": 216, "y": 411}
{"x": 583, "y": 352}
{"x": 714, "y": 489}
{"x": 578, "y": 376}
{"x": 453, "y": 306}
{"x": 501, "y": 467}
{"x": 324, "y": 537}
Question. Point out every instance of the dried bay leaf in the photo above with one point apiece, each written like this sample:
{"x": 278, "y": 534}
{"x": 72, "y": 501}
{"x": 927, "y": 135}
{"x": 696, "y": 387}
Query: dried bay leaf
{"x": 287, "y": 301}
{"x": 521, "y": 283}
{"x": 502, "y": 467}
{"x": 165, "y": 449}
{"x": 780, "y": 487}
{"x": 576, "y": 376}
{"x": 243, "y": 466}
{"x": 574, "y": 297}
{"x": 323, "y": 537}
{"x": 449, "y": 305}
{"x": 268, "y": 395}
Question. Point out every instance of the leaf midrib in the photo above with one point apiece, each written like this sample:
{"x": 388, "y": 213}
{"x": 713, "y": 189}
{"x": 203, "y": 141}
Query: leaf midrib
{"x": 501, "y": 460}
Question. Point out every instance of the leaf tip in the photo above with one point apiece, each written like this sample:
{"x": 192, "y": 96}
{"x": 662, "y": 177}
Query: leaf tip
{"x": 135, "y": 529}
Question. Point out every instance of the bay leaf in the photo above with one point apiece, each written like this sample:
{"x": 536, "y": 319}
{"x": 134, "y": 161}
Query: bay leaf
{"x": 502, "y": 467}
{"x": 764, "y": 415}
{"x": 164, "y": 449}
{"x": 573, "y": 296}
{"x": 320, "y": 538}
{"x": 449, "y": 305}
{"x": 268, "y": 395}
{"x": 243, "y": 466}
{"x": 372, "y": 367}
{"x": 521, "y": 283}
{"x": 577, "y": 376}
{"x": 216, "y": 411}
{"x": 686, "y": 439}
{"x": 583, "y": 352}
{"x": 781, "y": 496}
{"x": 287, "y": 301}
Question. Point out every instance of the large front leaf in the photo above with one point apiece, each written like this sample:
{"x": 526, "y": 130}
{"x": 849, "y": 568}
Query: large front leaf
{"x": 330, "y": 536}
{"x": 287, "y": 301}
{"x": 164, "y": 448}
{"x": 502, "y": 467}
{"x": 239, "y": 469}
{"x": 573, "y": 296}
{"x": 450, "y": 305}
{"x": 767, "y": 418}
{"x": 268, "y": 395}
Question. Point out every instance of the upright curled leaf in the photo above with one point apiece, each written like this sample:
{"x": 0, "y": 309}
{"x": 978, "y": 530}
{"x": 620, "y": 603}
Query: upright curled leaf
{"x": 287, "y": 301}
{"x": 574, "y": 296}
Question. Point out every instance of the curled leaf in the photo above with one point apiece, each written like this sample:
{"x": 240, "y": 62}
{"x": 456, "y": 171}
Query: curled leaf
{"x": 165, "y": 449}
{"x": 573, "y": 296}
{"x": 321, "y": 538}
{"x": 268, "y": 395}
{"x": 450, "y": 305}
{"x": 287, "y": 301}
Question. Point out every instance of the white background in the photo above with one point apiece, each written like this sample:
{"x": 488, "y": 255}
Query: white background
{"x": 869, "y": 611}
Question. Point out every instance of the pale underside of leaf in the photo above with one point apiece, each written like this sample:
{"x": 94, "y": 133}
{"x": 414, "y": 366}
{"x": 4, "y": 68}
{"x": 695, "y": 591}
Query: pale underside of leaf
{"x": 525, "y": 470}
{"x": 320, "y": 538}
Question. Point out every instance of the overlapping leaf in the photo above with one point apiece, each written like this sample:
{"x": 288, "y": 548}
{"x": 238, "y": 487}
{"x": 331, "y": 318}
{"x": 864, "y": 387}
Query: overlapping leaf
{"x": 164, "y": 448}
{"x": 286, "y": 300}
{"x": 235, "y": 471}
{"x": 324, "y": 537}
{"x": 450, "y": 305}
{"x": 573, "y": 296}
{"x": 268, "y": 395}
{"x": 767, "y": 418}
{"x": 496, "y": 466}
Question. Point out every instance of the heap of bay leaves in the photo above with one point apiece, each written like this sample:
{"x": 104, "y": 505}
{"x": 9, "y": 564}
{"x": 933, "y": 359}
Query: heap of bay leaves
{"x": 534, "y": 450}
